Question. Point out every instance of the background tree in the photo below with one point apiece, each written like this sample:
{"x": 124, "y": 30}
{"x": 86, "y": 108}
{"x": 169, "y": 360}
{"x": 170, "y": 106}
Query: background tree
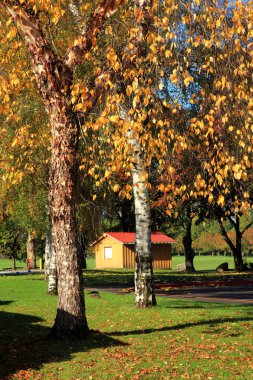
{"x": 212, "y": 66}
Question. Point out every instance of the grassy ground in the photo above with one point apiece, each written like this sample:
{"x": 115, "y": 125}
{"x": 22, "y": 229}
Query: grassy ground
{"x": 202, "y": 263}
{"x": 205, "y": 266}
{"x": 178, "y": 339}
{"x": 6, "y": 264}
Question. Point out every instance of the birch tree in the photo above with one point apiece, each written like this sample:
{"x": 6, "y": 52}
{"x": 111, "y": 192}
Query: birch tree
{"x": 211, "y": 82}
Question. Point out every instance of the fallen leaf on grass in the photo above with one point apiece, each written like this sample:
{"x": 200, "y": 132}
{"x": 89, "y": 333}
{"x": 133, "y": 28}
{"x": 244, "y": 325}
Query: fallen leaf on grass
{"x": 26, "y": 375}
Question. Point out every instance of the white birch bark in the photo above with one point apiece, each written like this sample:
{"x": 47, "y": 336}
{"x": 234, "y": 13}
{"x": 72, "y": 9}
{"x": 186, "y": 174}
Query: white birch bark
{"x": 144, "y": 285}
{"x": 52, "y": 275}
{"x": 47, "y": 255}
{"x": 74, "y": 7}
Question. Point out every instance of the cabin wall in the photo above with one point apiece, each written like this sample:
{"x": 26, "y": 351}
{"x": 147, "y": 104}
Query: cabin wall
{"x": 129, "y": 256}
{"x": 162, "y": 258}
{"x": 117, "y": 255}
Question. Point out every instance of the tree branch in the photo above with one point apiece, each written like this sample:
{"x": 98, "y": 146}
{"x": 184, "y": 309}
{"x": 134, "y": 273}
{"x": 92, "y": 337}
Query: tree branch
{"x": 225, "y": 235}
{"x": 248, "y": 226}
{"x": 231, "y": 221}
{"x": 50, "y": 72}
{"x": 86, "y": 41}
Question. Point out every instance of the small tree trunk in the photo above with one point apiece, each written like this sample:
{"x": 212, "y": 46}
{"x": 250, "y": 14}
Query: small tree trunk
{"x": 13, "y": 263}
{"x": 239, "y": 265}
{"x": 236, "y": 248}
{"x": 187, "y": 242}
{"x": 31, "y": 256}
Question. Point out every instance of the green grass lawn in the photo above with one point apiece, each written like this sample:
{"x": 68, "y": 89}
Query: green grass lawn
{"x": 6, "y": 264}
{"x": 202, "y": 263}
{"x": 178, "y": 339}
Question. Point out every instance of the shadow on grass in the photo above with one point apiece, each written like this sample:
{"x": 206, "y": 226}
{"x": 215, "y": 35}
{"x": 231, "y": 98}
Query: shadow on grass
{"x": 24, "y": 344}
{"x": 209, "y": 305}
{"x": 125, "y": 277}
{"x": 2, "y": 303}
{"x": 210, "y": 323}
{"x": 108, "y": 277}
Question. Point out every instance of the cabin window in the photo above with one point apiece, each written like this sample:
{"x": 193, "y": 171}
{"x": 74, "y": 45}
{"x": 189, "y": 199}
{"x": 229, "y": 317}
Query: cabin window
{"x": 108, "y": 252}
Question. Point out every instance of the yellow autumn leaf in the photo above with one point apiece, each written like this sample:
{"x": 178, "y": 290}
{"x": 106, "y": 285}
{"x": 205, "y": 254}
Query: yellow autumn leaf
{"x": 8, "y": 23}
{"x": 238, "y": 175}
{"x": 114, "y": 118}
{"x": 223, "y": 82}
{"x": 146, "y": 101}
{"x": 173, "y": 77}
{"x": 221, "y": 200}
{"x": 129, "y": 90}
{"x": 107, "y": 173}
{"x": 12, "y": 33}
{"x": 116, "y": 188}
{"x": 14, "y": 142}
{"x": 236, "y": 168}
{"x": 188, "y": 80}
{"x": 218, "y": 23}
{"x": 168, "y": 54}
{"x": 78, "y": 106}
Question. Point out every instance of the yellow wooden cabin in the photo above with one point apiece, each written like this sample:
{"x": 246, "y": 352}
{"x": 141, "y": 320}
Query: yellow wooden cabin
{"x": 117, "y": 250}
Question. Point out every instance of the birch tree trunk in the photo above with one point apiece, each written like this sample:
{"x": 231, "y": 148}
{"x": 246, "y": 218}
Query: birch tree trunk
{"x": 52, "y": 276}
{"x": 30, "y": 249}
{"x": 48, "y": 248}
{"x": 144, "y": 284}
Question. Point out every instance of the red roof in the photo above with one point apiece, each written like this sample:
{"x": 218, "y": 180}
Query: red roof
{"x": 129, "y": 237}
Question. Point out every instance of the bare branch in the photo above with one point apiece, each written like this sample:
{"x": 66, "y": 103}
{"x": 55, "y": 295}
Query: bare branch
{"x": 247, "y": 227}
